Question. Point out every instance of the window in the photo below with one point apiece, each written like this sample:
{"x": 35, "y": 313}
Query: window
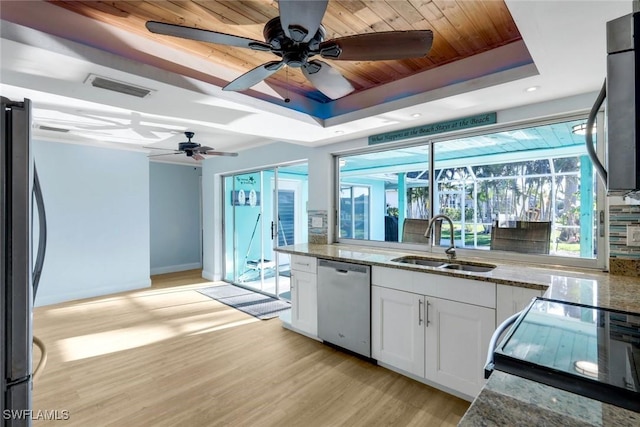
{"x": 373, "y": 187}
{"x": 354, "y": 212}
{"x": 526, "y": 191}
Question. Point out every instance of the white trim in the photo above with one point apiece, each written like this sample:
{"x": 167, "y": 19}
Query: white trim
{"x": 175, "y": 268}
{"x": 90, "y": 292}
{"x": 446, "y": 389}
{"x": 210, "y": 276}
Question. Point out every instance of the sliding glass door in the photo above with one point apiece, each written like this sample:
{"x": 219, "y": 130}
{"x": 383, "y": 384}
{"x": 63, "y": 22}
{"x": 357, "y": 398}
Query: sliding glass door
{"x": 292, "y": 196}
{"x": 263, "y": 209}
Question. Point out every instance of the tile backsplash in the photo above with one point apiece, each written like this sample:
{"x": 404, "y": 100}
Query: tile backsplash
{"x": 318, "y": 227}
{"x": 623, "y": 259}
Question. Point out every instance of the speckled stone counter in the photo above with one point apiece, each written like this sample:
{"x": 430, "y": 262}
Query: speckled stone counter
{"x": 508, "y": 400}
{"x": 590, "y": 287}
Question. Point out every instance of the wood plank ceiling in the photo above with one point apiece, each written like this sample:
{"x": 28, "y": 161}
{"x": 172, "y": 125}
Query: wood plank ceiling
{"x": 461, "y": 28}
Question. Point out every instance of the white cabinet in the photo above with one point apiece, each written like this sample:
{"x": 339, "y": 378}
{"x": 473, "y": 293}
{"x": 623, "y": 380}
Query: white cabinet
{"x": 457, "y": 340}
{"x": 512, "y": 299}
{"x": 304, "y": 295}
{"x": 397, "y": 332}
{"x": 442, "y": 340}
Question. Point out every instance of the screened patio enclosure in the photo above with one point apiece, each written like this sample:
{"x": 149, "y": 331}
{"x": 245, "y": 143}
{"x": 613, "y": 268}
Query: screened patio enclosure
{"x": 502, "y": 180}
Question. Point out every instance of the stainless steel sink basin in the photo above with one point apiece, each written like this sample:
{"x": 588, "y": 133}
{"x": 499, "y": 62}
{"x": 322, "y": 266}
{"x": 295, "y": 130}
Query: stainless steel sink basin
{"x": 437, "y": 263}
{"x": 420, "y": 261}
{"x": 470, "y": 267}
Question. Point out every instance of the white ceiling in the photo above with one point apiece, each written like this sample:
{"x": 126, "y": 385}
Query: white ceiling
{"x": 566, "y": 40}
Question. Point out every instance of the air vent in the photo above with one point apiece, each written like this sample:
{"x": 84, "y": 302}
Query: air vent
{"x": 116, "y": 86}
{"x": 51, "y": 128}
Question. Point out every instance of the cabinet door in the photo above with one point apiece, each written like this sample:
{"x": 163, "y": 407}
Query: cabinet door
{"x": 397, "y": 329}
{"x": 457, "y": 339}
{"x": 304, "y": 302}
{"x": 512, "y": 299}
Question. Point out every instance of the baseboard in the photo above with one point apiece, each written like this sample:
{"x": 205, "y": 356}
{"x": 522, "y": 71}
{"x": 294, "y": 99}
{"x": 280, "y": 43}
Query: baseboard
{"x": 42, "y": 300}
{"x": 207, "y": 275}
{"x": 210, "y": 276}
{"x": 175, "y": 268}
{"x": 446, "y": 389}
{"x": 287, "y": 325}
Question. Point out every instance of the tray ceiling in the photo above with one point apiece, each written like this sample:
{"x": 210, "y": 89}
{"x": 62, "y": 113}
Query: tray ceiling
{"x": 480, "y": 62}
{"x": 461, "y": 29}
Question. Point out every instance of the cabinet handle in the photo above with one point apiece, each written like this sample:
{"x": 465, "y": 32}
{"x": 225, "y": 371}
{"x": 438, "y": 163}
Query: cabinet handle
{"x": 302, "y": 263}
{"x": 420, "y": 312}
{"x": 426, "y": 317}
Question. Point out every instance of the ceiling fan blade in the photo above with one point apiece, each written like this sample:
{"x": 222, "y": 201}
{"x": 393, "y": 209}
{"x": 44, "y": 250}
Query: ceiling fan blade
{"x": 221, "y": 153}
{"x": 379, "y": 46}
{"x": 327, "y": 79}
{"x": 301, "y": 19}
{"x": 254, "y": 76}
{"x": 197, "y": 156}
{"x": 203, "y": 149}
{"x": 205, "y": 36}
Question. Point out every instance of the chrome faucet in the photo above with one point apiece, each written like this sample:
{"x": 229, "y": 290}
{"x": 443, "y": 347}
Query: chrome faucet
{"x": 451, "y": 250}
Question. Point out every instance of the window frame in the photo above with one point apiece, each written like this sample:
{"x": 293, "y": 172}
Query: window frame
{"x": 351, "y": 186}
{"x": 602, "y": 250}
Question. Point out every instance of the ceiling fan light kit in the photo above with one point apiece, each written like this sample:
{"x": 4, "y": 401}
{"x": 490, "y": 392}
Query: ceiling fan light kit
{"x": 297, "y": 35}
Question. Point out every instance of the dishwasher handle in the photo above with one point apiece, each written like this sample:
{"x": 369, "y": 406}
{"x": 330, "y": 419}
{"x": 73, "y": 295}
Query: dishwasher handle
{"x": 343, "y": 267}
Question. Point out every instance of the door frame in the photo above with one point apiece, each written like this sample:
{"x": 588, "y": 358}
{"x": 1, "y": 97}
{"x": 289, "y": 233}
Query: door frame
{"x": 300, "y": 228}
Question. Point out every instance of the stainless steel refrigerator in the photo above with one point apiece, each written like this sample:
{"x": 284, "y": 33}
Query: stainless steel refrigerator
{"x": 19, "y": 268}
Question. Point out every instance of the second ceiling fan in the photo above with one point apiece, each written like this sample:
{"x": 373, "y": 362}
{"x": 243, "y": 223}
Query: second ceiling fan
{"x": 192, "y": 149}
{"x": 297, "y": 35}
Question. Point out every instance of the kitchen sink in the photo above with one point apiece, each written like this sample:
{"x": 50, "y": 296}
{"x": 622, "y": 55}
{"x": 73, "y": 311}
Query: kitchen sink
{"x": 438, "y": 263}
{"x": 428, "y": 262}
{"x": 470, "y": 267}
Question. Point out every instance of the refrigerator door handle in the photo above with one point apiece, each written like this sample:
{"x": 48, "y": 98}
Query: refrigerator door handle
{"x": 42, "y": 233}
{"x": 488, "y": 367}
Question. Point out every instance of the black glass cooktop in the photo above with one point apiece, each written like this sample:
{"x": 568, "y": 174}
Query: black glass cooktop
{"x": 590, "y": 351}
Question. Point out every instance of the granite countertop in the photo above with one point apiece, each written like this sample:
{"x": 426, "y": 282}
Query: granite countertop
{"x": 508, "y": 400}
{"x": 584, "y": 286}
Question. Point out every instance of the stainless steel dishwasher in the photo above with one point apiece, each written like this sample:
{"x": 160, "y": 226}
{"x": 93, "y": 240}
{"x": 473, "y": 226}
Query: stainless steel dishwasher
{"x": 344, "y": 305}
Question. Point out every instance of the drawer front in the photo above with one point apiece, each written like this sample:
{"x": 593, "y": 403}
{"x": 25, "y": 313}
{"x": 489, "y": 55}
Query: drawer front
{"x": 459, "y": 289}
{"x": 303, "y": 263}
{"x": 436, "y": 285}
{"x": 393, "y": 278}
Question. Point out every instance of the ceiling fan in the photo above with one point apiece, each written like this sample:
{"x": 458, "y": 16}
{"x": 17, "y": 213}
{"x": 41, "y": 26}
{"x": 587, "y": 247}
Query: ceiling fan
{"x": 192, "y": 149}
{"x": 297, "y": 35}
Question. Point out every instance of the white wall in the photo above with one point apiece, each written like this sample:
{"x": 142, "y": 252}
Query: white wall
{"x": 212, "y": 171}
{"x": 174, "y": 217}
{"x": 97, "y": 208}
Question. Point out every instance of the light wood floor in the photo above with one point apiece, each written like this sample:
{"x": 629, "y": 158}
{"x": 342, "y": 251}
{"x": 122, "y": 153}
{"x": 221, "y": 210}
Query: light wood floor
{"x": 169, "y": 356}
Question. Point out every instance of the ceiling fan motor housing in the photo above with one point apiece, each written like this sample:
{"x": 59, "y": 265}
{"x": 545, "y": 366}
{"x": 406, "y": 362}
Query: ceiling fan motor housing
{"x": 188, "y": 147}
{"x": 293, "y": 53}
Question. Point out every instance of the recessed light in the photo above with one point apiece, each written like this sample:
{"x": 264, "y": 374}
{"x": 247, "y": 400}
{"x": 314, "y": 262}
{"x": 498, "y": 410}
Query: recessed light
{"x": 581, "y": 129}
{"x": 416, "y": 115}
{"x": 532, "y": 89}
